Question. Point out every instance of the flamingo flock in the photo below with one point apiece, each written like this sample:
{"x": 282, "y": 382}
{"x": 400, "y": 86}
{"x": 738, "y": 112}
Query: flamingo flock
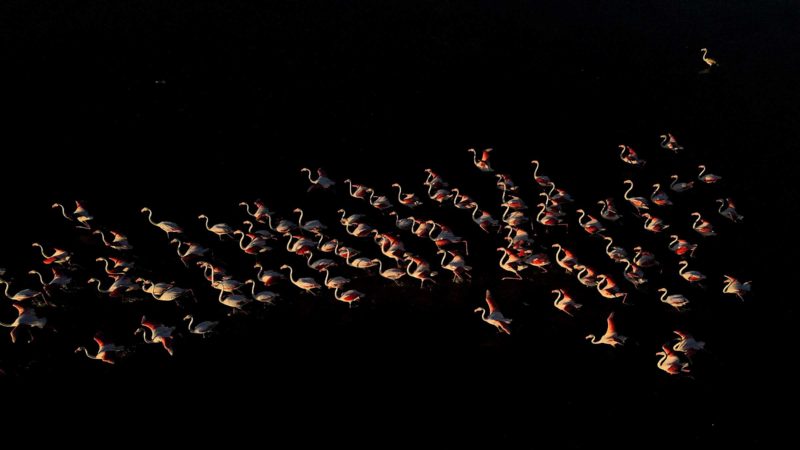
{"x": 322, "y": 261}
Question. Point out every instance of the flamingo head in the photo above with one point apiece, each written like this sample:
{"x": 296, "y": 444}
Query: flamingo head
{"x": 696, "y": 214}
{"x": 702, "y": 167}
{"x": 238, "y": 232}
{"x": 479, "y": 309}
{"x": 637, "y": 248}
{"x": 471, "y": 150}
{"x": 100, "y": 259}
{"x": 662, "y": 290}
{"x": 202, "y": 216}
{"x": 663, "y": 136}
{"x": 703, "y": 49}
{"x": 285, "y": 267}
{"x": 627, "y": 181}
{"x": 92, "y": 280}
{"x": 535, "y": 161}
{"x": 188, "y": 317}
{"x": 397, "y": 185}
{"x": 305, "y": 169}
{"x": 297, "y": 210}
{"x": 145, "y": 209}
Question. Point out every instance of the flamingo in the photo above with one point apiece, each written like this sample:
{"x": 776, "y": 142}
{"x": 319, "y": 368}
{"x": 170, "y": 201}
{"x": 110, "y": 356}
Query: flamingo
{"x": 159, "y": 334}
{"x": 353, "y": 219}
{"x": 348, "y": 297}
{"x": 380, "y": 203}
{"x": 616, "y": 253}
{"x": 283, "y": 227}
{"x": 322, "y": 180}
{"x": 172, "y": 294}
{"x": 653, "y": 223}
{"x": 457, "y": 265}
{"x": 336, "y": 282}
{"x": 256, "y": 245}
{"x": 422, "y": 272}
{"x": 709, "y": 61}
{"x": 608, "y": 288}
{"x": 462, "y": 201}
{"x": 677, "y": 301}
{"x": 639, "y": 203}
{"x": 510, "y": 262}
{"x": 541, "y": 180}
{"x": 441, "y": 195}
{"x": 80, "y": 214}
{"x": 691, "y": 276}
{"x": 634, "y": 273}
{"x": 611, "y": 337}
{"x": 514, "y": 218}
{"x": 609, "y": 211}
{"x": 356, "y": 190}
{"x": 320, "y": 264}
{"x": 565, "y": 303}
{"x": 568, "y": 261}
{"x": 495, "y": 317}
{"x": 591, "y": 225}
{"x": 545, "y": 218}
{"x": 155, "y": 289}
{"x": 629, "y": 156}
{"x": 671, "y": 362}
{"x": 708, "y": 178}
{"x": 736, "y": 287}
{"x": 359, "y": 263}
{"x": 643, "y": 258}
{"x": 586, "y": 276}
{"x": 267, "y": 297}
{"x": 193, "y": 250}
{"x": 120, "y": 241}
{"x": 202, "y": 328}
{"x": 404, "y": 223}
{"x": 59, "y": 256}
{"x": 307, "y": 284}
{"x": 25, "y": 316}
{"x": 538, "y": 260}
{"x": 446, "y": 236}
{"x": 434, "y": 180}
{"x": 391, "y": 273}
{"x": 234, "y": 301}
{"x": 104, "y": 350}
{"x": 559, "y": 196}
{"x": 518, "y": 238}
{"x": 59, "y": 280}
{"x": 25, "y": 294}
{"x": 687, "y": 344}
{"x": 312, "y": 226}
{"x": 668, "y": 142}
{"x": 483, "y": 164}
{"x": 681, "y": 247}
{"x": 485, "y": 221}
{"x": 659, "y": 197}
{"x": 680, "y": 186}
{"x": 703, "y": 227}
{"x": 261, "y": 210}
{"x": 220, "y": 229}
{"x": 728, "y": 210}
{"x": 505, "y": 182}
{"x": 167, "y": 227}
{"x": 264, "y": 234}
{"x": 121, "y": 284}
{"x": 410, "y": 200}
{"x": 268, "y": 277}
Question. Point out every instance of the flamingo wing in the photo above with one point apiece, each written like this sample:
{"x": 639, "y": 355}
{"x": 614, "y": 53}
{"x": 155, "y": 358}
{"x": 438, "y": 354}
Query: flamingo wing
{"x": 490, "y": 302}
{"x": 485, "y": 155}
{"x": 611, "y": 328}
{"x": 99, "y": 342}
{"x": 20, "y": 309}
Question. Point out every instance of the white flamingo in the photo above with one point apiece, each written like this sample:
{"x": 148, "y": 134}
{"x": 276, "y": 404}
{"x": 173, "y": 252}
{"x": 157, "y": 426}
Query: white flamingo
{"x": 736, "y": 287}
{"x": 25, "y": 316}
{"x": 565, "y": 303}
{"x": 220, "y": 229}
{"x": 680, "y": 186}
{"x": 104, "y": 350}
{"x": 670, "y": 362}
{"x": 708, "y": 178}
{"x": 322, "y": 180}
{"x": 677, "y": 301}
{"x": 307, "y": 284}
{"x": 703, "y": 227}
{"x": 727, "y": 209}
{"x": 202, "y": 328}
{"x": 167, "y": 227}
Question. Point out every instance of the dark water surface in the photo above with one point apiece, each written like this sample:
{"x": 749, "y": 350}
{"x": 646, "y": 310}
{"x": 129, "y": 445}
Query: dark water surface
{"x": 191, "y": 107}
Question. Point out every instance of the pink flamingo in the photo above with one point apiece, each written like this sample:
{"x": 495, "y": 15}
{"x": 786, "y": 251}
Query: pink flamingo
{"x": 565, "y": 303}
{"x": 104, "y": 350}
{"x": 483, "y": 164}
{"x": 167, "y": 227}
{"x": 25, "y": 316}
{"x": 670, "y": 362}
{"x": 629, "y": 156}
{"x": 611, "y": 337}
{"x": 322, "y": 180}
{"x": 668, "y": 142}
{"x": 727, "y": 209}
{"x": 708, "y": 178}
{"x": 680, "y": 186}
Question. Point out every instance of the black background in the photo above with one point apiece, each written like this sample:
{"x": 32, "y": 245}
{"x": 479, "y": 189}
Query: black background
{"x": 191, "y": 107}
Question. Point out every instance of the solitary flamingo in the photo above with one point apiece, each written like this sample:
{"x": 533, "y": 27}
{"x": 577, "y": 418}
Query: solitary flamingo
{"x": 59, "y": 280}
{"x": 25, "y": 316}
{"x": 609, "y": 211}
{"x": 104, "y": 350}
{"x": 611, "y": 337}
{"x": 659, "y": 197}
{"x": 565, "y": 258}
{"x": 709, "y": 61}
{"x": 671, "y": 362}
{"x": 681, "y": 247}
{"x": 653, "y": 223}
{"x": 495, "y": 317}
{"x": 167, "y": 227}
{"x": 483, "y": 164}
{"x": 708, "y": 178}
{"x": 565, "y": 303}
{"x": 59, "y": 256}
{"x": 643, "y": 258}
{"x": 591, "y": 225}
{"x": 322, "y": 180}
{"x": 202, "y": 328}
{"x": 261, "y": 210}
{"x": 668, "y": 142}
